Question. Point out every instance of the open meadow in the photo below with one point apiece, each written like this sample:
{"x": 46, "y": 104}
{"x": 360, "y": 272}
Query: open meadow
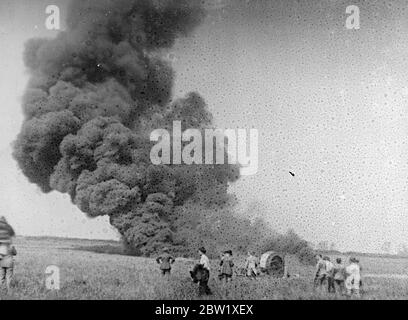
{"x": 87, "y": 273}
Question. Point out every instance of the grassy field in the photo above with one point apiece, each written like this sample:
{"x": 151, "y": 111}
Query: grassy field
{"x": 86, "y": 273}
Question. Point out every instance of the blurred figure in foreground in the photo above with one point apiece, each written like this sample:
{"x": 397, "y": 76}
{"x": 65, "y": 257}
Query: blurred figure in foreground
{"x": 7, "y": 253}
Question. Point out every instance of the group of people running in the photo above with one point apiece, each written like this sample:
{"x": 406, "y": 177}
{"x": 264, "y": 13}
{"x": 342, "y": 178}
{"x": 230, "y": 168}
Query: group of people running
{"x": 201, "y": 271}
{"x": 338, "y": 278}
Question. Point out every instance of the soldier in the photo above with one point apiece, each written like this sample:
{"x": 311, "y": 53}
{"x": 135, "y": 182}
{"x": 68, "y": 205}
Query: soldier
{"x": 205, "y": 263}
{"x": 165, "y": 261}
{"x": 7, "y": 253}
{"x": 330, "y": 274}
{"x": 339, "y": 276}
{"x": 353, "y": 280}
{"x": 251, "y": 265}
{"x": 226, "y": 265}
{"x": 321, "y": 273}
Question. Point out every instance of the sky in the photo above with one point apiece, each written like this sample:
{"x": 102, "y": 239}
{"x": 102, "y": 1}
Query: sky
{"x": 330, "y": 105}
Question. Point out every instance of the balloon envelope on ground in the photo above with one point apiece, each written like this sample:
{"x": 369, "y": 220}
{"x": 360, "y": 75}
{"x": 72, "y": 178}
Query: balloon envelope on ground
{"x": 273, "y": 264}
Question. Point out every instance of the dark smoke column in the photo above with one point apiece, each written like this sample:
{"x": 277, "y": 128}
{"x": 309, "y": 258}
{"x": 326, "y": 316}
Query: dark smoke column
{"x": 95, "y": 92}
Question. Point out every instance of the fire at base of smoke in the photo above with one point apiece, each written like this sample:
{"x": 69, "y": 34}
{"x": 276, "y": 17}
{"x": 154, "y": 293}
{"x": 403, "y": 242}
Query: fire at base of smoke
{"x": 170, "y": 149}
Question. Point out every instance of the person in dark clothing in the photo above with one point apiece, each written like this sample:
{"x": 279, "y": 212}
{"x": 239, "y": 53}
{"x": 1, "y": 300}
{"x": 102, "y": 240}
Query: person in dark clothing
{"x": 165, "y": 260}
{"x": 205, "y": 263}
{"x": 339, "y": 277}
{"x": 200, "y": 275}
{"x": 226, "y": 266}
{"x": 226, "y": 271}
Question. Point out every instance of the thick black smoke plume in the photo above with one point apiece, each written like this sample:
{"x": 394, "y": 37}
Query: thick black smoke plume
{"x": 95, "y": 93}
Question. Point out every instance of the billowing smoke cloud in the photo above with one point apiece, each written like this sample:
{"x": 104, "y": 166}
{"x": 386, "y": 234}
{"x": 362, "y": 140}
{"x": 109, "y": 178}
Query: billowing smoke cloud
{"x": 95, "y": 93}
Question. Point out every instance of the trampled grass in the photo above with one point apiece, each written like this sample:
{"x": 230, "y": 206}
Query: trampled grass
{"x": 92, "y": 275}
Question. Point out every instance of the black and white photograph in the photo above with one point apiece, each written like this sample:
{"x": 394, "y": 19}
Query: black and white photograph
{"x": 219, "y": 151}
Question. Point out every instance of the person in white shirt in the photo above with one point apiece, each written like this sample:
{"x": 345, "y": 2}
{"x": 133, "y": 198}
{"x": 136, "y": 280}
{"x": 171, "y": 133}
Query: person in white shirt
{"x": 320, "y": 278}
{"x": 353, "y": 279}
{"x": 205, "y": 262}
{"x": 250, "y": 265}
{"x": 330, "y": 274}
